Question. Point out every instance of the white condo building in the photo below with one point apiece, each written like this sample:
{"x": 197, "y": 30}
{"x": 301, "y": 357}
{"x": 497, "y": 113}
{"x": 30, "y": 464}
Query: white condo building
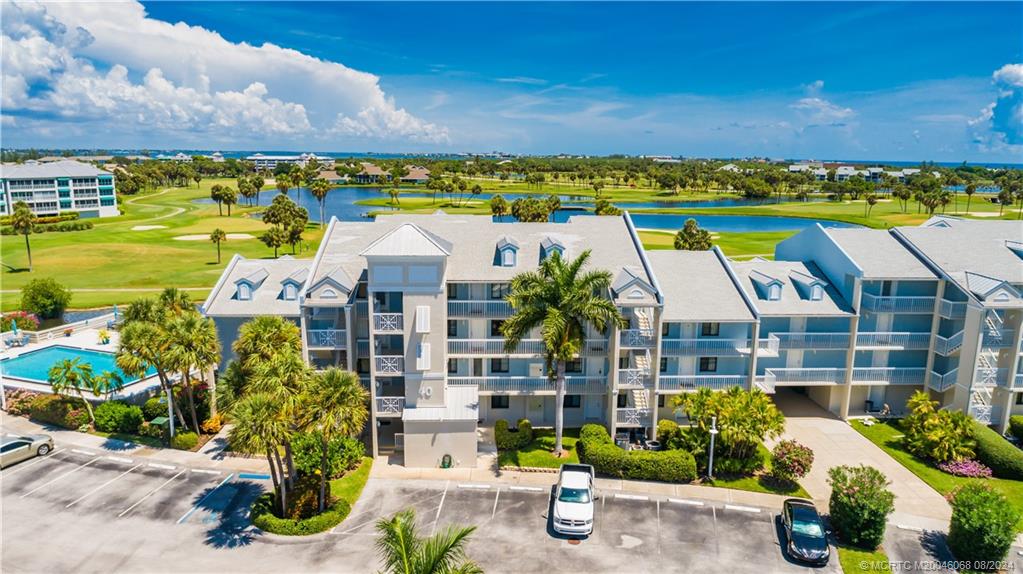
{"x": 58, "y": 187}
{"x": 852, "y": 318}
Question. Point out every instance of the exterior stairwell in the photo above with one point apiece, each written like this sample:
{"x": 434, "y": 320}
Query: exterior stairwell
{"x": 643, "y": 361}
{"x": 640, "y": 398}
{"x": 643, "y": 321}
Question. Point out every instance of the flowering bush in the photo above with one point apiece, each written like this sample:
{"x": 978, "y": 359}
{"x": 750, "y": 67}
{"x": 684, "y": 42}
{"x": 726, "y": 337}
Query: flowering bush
{"x": 966, "y": 467}
{"x": 860, "y": 504}
{"x": 19, "y": 401}
{"x": 790, "y": 461}
{"x": 25, "y": 321}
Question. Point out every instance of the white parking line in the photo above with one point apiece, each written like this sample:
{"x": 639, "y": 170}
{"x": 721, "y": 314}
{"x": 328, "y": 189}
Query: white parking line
{"x": 66, "y": 474}
{"x": 526, "y": 488}
{"x": 120, "y": 459}
{"x": 86, "y": 452}
{"x": 494, "y": 512}
{"x": 21, "y": 467}
{"x": 686, "y": 501}
{"x": 742, "y": 508}
{"x": 204, "y": 471}
{"x": 161, "y": 466}
{"x": 911, "y": 528}
{"x": 631, "y": 497}
{"x": 185, "y": 516}
{"x": 100, "y": 487}
{"x": 477, "y": 486}
{"x": 440, "y": 506}
{"x": 150, "y": 493}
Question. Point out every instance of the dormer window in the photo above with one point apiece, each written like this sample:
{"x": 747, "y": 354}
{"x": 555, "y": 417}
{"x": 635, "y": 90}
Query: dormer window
{"x": 290, "y": 292}
{"x": 549, "y": 247}
{"x": 816, "y": 293}
{"x": 508, "y": 258}
{"x": 244, "y": 292}
{"x": 774, "y": 292}
{"x": 507, "y": 252}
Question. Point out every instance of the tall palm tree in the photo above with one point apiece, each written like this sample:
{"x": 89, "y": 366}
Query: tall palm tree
{"x": 337, "y": 405}
{"x": 175, "y": 301}
{"x": 264, "y": 337}
{"x": 23, "y": 221}
{"x": 218, "y": 236}
{"x": 971, "y": 188}
{"x": 143, "y": 345}
{"x": 257, "y": 182}
{"x": 72, "y": 377}
{"x": 258, "y": 428}
{"x": 285, "y": 377}
{"x": 320, "y": 188}
{"x": 217, "y": 195}
{"x": 193, "y": 347}
{"x": 561, "y": 300}
{"x": 283, "y": 182}
{"x": 405, "y": 551}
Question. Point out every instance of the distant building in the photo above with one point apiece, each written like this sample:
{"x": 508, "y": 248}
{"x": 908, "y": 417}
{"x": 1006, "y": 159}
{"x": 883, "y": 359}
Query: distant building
{"x": 271, "y": 162}
{"x": 371, "y": 173}
{"x": 416, "y": 174}
{"x": 333, "y": 177}
{"x": 730, "y": 167}
{"x": 58, "y": 187}
{"x": 176, "y": 157}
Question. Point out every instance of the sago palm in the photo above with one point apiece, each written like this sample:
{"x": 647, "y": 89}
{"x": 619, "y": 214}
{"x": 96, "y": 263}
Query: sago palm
{"x": 404, "y": 550}
{"x": 336, "y": 403}
{"x": 562, "y": 301}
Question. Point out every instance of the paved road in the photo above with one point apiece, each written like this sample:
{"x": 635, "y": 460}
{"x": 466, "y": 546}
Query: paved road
{"x": 83, "y": 511}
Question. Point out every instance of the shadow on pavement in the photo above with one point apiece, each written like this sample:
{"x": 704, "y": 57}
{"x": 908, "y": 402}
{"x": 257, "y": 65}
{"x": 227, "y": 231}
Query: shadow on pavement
{"x": 229, "y": 506}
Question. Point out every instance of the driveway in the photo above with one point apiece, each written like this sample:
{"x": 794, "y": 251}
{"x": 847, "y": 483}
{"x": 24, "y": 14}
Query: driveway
{"x": 835, "y": 443}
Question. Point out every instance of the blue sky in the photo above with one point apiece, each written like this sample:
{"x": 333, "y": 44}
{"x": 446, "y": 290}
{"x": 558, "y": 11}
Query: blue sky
{"x": 900, "y": 81}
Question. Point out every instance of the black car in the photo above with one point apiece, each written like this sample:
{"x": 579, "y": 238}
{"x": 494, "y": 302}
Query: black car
{"x": 807, "y": 539}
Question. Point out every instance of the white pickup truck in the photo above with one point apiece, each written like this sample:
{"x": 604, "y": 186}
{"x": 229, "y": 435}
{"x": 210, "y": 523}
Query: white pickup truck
{"x": 573, "y": 500}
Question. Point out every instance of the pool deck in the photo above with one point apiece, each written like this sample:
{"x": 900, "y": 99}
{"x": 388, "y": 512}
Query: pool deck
{"x": 85, "y": 339}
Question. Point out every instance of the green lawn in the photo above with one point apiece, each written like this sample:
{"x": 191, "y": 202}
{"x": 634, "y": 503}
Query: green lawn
{"x": 886, "y": 435}
{"x": 539, "y": 452}
{"x": 350, "y": 486}
{"x": 856, "y": 561}
{"x": 762, "y": 483}
{"x": 739, "y": 245}
{"x": 143, "y": 440}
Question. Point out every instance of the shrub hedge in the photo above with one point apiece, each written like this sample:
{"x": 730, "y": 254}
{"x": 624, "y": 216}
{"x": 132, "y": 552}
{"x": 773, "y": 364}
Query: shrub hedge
{"x": 62, "y": 226}
{"x": 185, "y": 440}
{"x": 24, "y": 321}
{"x": 596, "y": 448}
{"x": 860, "y": 504}
{"x": 19, "y": 401}
{"x": 154, "y": 408}
{"x": 507, "y": 439}
{"x": 1004, "y": 459}
{"x": 983, "y": 525}
{"x": 60, "y": 411}
{"x": 264, "y": 519}
{"x": 116, "y": 416}
{"x": 790, "y": 460}
{"x": 1016, "y": 426}
{"x": 343, "y": 453}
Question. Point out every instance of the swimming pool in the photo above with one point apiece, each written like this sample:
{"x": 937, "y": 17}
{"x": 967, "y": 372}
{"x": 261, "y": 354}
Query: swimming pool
{"x": 35, "y": 366}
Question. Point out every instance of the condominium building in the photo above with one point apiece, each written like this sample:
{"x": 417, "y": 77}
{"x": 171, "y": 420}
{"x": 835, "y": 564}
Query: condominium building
{"x": 854, "y": 319}
{"x": 58, "y": 187}
{"x": 270, "y": 162}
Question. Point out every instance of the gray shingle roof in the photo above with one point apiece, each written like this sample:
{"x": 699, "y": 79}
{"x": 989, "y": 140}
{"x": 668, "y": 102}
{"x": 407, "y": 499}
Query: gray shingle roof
{"x": 697, "y": 288}
{"x": 878, "y": 254}
{"x": 268, "y": 275}
{"x": 793, "y": 302}
{"x": 65, "y": 168}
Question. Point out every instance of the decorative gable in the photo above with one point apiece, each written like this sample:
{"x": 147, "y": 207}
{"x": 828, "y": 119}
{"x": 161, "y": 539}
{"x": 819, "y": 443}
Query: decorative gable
{"x": 631, "y": 286}
{"x": 768, "y": 288}
{"x": 549, "y": 246}
{"x": 990, "y": 289}
{"x": 808, "y": 286}
{"x": 506, "y": 252}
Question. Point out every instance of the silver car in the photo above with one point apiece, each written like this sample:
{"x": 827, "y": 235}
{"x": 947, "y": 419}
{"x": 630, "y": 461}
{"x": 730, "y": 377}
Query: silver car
{"x": 15, "y": 449}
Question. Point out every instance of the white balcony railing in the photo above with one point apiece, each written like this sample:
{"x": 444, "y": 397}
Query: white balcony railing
{"x": 807, "y": 376}
{"x": 493, "y": 347}
{"x": 390, "y": 406}
{"x": 388, "y": 322}
{"x": 634, "y": 378}
{"x": 329, "y": 338}
{"x": 594, "y": 347}
{"x": 894, "y": 341}
{"x": 769, "y": 347}
{"x": 574, "y": 385}
{"x": 952, "y": 309}
{"x": 685, "y": 383}
{"x": 704, "y": 347}
{"x": 941, "y": 382}
{"x": 811, "y": 340}
{"x": 496, "y": 308}
{"x": 1017, "y": 383}
{"x": 945, "y": 346}
{"x": 389, "y": 365}
{"x": 637, "y": 338}
{"x": 633, "y": 417}
{"x": 888, "y": 376}
{"x": 1000, "y": 339}
{"x": 897, "y": 304}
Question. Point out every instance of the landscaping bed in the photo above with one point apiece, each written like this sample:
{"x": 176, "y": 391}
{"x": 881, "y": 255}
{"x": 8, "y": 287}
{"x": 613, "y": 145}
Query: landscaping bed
{"x": 538, "y": 453}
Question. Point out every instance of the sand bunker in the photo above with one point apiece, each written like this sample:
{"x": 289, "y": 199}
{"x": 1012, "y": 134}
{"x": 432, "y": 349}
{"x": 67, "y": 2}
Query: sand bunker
{"x": 201, "y": 237}
{"x": 148, "y": 227}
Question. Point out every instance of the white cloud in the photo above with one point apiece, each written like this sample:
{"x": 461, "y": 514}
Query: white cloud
{"x": 109, "y": 62}
{"x": 523, "y": 80}
{"x": 1000, "y": 123}
{"x": 821, "y": 111}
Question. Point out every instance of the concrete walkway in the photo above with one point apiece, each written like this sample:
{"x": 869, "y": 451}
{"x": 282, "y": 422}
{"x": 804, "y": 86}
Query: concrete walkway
{"x": 835, "y": 443}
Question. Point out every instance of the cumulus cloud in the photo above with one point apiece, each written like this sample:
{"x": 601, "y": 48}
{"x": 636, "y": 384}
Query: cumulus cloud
{"x": 999, "y": 124}
{"x": 110, "y": 62}
{"x": 822, "y": 112}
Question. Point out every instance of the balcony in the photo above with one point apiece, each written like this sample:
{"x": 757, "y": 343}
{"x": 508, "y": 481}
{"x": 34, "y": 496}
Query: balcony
{"x": 704, "y": 347}
{"x": 942, "y": 382}
{"x": 389, "y": 365}
{"x": 888, "y": 376}
{"x": 576, "y": 385}
{"x": 946, "y": 346}
{"x": 633, "y": 417}
{"x": 388, "y": 323}
{"x": 528, "y": 347}
{"x": 390, "y": 406}
{"x": 879, "y": 304}
{"x": 634, "y": 379}
{"x": 952, "y": 309}
{"x": 803, "y": 377}
{"x": 594, "y": 347}
{"x": 687, "y": 383}
{"x": 495, "y": 309}
{"x": 637, "y": 338}
{"x": 1017, "y": 383}
{"x": 768, "y": 347}
{"x": 818, "y": 341}
{"x": 362, "y": 348}
{"x": 327, "y": 338}
{"x": 893, "y": 341}
{"x": 999, "y": 339}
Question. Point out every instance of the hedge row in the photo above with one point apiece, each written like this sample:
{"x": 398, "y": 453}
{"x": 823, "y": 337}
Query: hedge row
{"x": 1004, "y": 459}
{"x": 60, "y": 411}
{"x": 596, "y": 448}
{"x": 66, "y": 216}
{"x": 62, "y": 226}
{"x": 1016, "y": 426}
{"x": 508, "y": 439}
{"x": 264, "y": 519}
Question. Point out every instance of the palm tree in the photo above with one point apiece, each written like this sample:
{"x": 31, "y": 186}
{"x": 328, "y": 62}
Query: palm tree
{"x": 142, "y": 346}
{"x": 257, "y": 183}
{"x": 337, "y": 404}
{"x": 869, "y": 203}
{"x": 72, "y": 377}
{"x": 193, "y": 347}
{"x": 393, "y": 193}
{"x": 217, "y": 194}
{"x": 283, "y": 182}
{"x": 320, "y": 188}
{"x": 217, "y": 236}
{"x": 562, "y": 301}
{"x": 229, "y": 197}
{"x": 498, "y": 206}
{"x": 259, "y": 428}
{"x": 175, "y": 301}
{"x": 971, "y": 188}
{"x": 23, "y": 221}
{"x": 262, "y": 338}
{"x": 286, "y": 378}
{"x": 405, "y": 551}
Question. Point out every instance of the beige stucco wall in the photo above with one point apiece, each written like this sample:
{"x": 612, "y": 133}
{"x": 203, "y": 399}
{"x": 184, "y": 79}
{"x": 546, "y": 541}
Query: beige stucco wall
{"x": 426, "y": 442}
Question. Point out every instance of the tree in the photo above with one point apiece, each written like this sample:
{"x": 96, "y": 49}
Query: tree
{"x": 229, "y": 197}
{"x": 692, "y": 238}
{"x": 320, "y": 188}
{"x": 45, "y": 298}
{"x": 477, "y": 189}
{"x": 869, "y": 203}
{"x": 275, "y": 238}
{"x": 218, "y": 236}
{"x": 1004, "y": 199}
{"x": 197, "y": 177}
{"x": 72, "y": 377}
{"x": 283, "y": 183}
{"x": 217, "y": 195}
{"x": 257, "y": 183}
{"x": 23, "y": 221}
{"x": 143, "y": 344}
{"x": 498, "y": 206}
{"x": 246, "y": 189}
{"x": 337, "y": 405}
{"x": 744, "y": 420}
{"x": 971, "y": 188}
{"x": 193, "y": 346}
{"x": 605, "y": 207}
{"x": 404, "y": 550}
{"x": 258, "y": 427}
{"x": 562, "y": 301}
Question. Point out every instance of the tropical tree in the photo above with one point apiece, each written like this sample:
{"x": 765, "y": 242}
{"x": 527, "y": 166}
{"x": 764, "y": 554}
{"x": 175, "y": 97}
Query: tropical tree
{"x": 869, "y": 203}
{"x": 263, "y": 338}
{"x": 320, "y": 188}
{"x": 971, "y": 188}
{"x": 229, "y": 197}
{"x": 744, "y": 420}
{"x": 405, "y": 551}
{"x": 283, "y": 183}
{"x": 476, "y": 190}
{"x": 1004, "y": 199}
{"x": 197, "y": 177}
{"x": 692, "y": 238}
{"x": 498, "y": 206}
{"x": 336, "y": 403}
{"x": 394, "y": 193}
{"x": 72, "y": 377}
{"x": 194, "y": 347}
{"x": 605, "y": 207}
{"x": 257, "y": 183}
{"x": 217, "y": 195}
{"x": 218, "y": 236}
{"x": 23, "y": 221}
{"x": 258, "y": 427}
{"x": 143, "y": 346}
{"x": 562, "y": 301}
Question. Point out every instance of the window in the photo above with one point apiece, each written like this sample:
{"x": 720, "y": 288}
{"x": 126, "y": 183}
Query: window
{"x": 452, "y": 291}
{"x": 574, "y": 366}
{"x": 660, "y": 401}
{"x": 710, "y": 329}
{"x": 664, "y": 365}
{"x": 452, "y": 366}
{"x": 290, "y": 292}
{"x": 623, "y": 362}
{"x": 452, "y": 328}
{"x": 499, "y": 401}
{"x": 1019, "y": 398}
{"x": 665, "y": 327}
{"x": 362, "y": 366}
{"x": 816, "y": 293}
{"x": 623, "y": 401}
{"x": 708, "y": 364}
{"x": 774, "y": 292}
{"x": 17, "y": 445}
{"x": 495, "y": 328}
{"x": 244, "y": 292}
{"x": 499, "y": 290}
{"x": 508, "y": 258}
{"x": 573, "y": 401}
{"x": 423, "y": 357}
{"x": 361, "y": 291}
{"x": 499, "y": 365}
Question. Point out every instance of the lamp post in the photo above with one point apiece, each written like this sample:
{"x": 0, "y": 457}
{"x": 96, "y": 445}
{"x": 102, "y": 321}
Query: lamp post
{"x": 713, "y": 433}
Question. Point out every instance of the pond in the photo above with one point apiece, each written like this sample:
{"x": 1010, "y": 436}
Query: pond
{"x": 341, "y": 202}
{"x": 73, "y": 316}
